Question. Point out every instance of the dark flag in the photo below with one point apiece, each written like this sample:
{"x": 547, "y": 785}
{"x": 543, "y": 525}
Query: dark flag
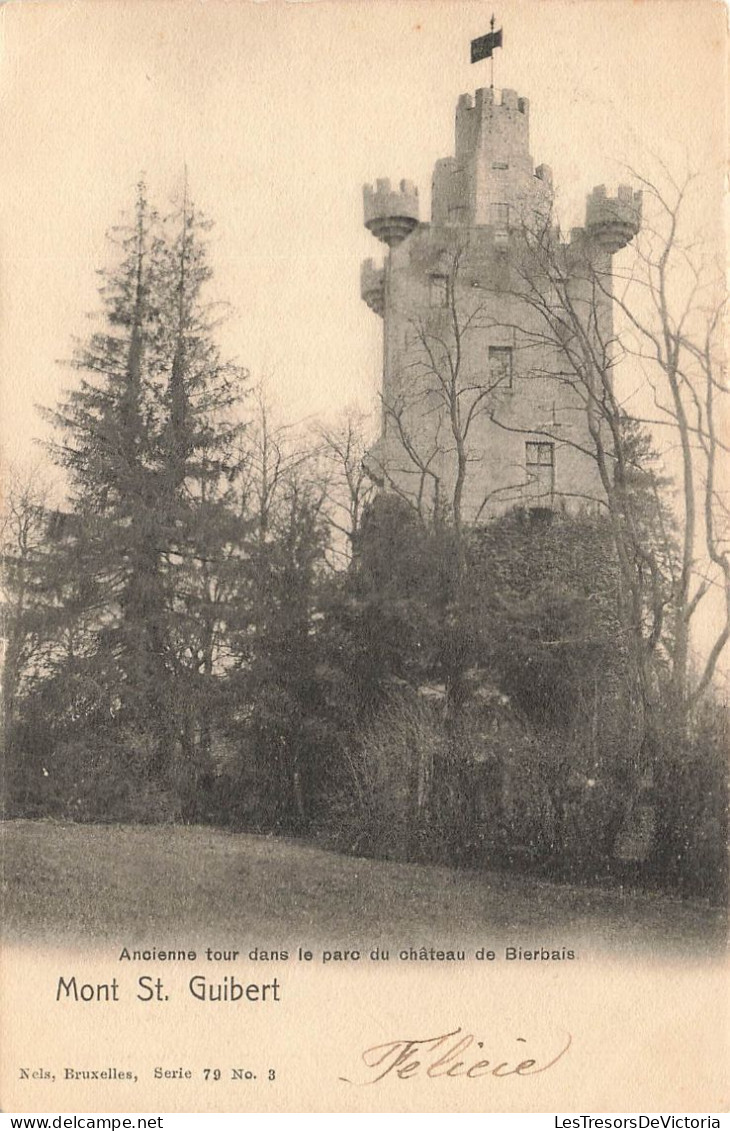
{"x": 483, "y": 47}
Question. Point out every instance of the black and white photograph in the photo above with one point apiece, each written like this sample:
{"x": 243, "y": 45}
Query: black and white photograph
{"x": 365, "y": 555}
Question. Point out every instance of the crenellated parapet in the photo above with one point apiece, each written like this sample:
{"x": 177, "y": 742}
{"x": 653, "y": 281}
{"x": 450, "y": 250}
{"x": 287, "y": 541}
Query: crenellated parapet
{"x": 391, "y": 214}
{"x": 613, "y": 221}
{"x": 485, "y": 102}
{"x": 372, "y": 286}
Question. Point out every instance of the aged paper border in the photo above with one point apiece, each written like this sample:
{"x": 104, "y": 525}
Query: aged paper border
{"x": 649, "y": 1033}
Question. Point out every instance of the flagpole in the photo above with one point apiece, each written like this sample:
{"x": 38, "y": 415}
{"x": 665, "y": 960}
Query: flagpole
{"x": 491, "y": 57}
{"x": 484, "y": 47}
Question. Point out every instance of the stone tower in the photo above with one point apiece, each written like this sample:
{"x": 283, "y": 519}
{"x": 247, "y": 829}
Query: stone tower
{"x": 477, "y": 409}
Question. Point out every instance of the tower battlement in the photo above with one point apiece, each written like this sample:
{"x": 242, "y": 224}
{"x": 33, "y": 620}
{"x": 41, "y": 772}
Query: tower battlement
{"x": 484, "y": 97}
{"x": 391, "y": 214}
{"x": 613, "y": 221}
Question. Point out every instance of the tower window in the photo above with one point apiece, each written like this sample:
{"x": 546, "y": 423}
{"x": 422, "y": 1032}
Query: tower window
{"x": 500, "y": 366}
{"x": 500, "y": 215}
{"x": 439, "y": 290}
{"x": 540, "y": 468}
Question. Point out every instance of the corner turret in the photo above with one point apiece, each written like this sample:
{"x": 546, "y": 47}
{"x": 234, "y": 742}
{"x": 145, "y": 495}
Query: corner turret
{"x": 613, "y": 221}
{"x": 391, "y": 214}
{"x": 372, "y": 286}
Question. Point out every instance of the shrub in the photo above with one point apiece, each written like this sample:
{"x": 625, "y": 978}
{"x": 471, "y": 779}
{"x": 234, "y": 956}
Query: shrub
{"x": 386, "y": 811}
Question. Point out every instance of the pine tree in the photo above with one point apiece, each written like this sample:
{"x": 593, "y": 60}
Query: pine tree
{"x": 149, "y": 442}
{"x": 198, "y": 464}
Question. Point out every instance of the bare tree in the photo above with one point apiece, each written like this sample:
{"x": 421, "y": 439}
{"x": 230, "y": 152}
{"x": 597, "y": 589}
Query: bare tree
{"x": 23, "y": 528}
{"x": 281, "y": 504}
{"x": 276, "y": 457}
{"x": 672, "y": 301}
{"x": 441, "y": 392}
{"x": 342, "y": 446}
{"x": 665, "y": 300}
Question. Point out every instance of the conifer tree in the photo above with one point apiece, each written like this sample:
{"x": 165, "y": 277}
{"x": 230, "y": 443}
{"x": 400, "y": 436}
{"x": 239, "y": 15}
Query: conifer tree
{"x": 149, "y": 440}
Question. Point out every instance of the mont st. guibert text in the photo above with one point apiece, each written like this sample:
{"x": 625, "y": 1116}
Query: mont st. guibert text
{"x": 151, "y": 988}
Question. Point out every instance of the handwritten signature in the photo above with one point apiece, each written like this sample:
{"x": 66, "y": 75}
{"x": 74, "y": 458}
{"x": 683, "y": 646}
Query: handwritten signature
{"x": 452, "y": 1054}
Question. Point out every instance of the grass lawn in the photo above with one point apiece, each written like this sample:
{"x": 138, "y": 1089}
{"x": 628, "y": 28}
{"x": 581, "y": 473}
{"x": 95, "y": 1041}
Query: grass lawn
{"x": 155, "y": 883}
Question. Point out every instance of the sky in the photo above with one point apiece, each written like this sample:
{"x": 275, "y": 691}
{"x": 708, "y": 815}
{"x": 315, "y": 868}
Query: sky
{"x": 280, "y": 112}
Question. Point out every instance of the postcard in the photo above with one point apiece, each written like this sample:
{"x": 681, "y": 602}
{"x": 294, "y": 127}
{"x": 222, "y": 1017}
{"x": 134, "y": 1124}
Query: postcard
{"x": 366, "y": 559}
